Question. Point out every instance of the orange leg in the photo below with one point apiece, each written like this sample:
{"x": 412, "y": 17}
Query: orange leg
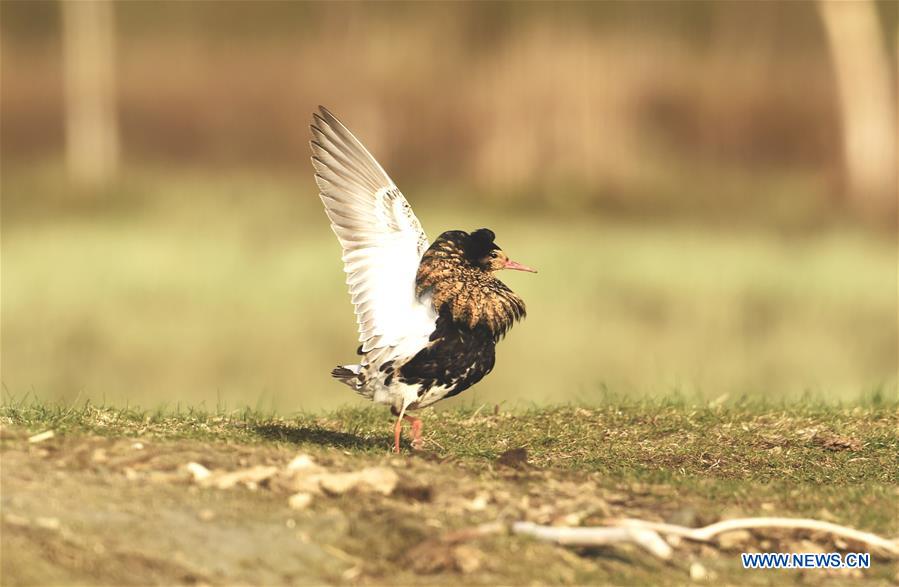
{"x": 417, "y": 442}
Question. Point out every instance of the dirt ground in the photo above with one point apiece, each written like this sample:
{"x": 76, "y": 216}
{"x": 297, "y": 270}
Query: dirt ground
{"x": 85, "y": 509}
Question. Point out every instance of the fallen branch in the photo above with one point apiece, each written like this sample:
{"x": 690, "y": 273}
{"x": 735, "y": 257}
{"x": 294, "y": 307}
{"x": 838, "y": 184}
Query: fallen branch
{"x": 646, "y": 534}
{"x": 705, "y": 534}
{"x": 645, "y": 538}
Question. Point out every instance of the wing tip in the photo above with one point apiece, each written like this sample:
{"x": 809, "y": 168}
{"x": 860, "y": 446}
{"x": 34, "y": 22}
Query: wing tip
{"x": 326, "y": 116}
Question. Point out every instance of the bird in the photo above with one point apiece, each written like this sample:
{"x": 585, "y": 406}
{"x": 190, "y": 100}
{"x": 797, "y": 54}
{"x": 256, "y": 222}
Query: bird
{"x": 429, "y": 315}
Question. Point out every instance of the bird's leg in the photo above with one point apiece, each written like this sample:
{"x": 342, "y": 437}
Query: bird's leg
{"x": 417, "y": 442}
{"x": 397, "y": 432}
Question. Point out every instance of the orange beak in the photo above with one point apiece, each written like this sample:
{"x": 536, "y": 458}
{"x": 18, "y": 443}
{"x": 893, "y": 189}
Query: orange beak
{"x": 510, "y": 264}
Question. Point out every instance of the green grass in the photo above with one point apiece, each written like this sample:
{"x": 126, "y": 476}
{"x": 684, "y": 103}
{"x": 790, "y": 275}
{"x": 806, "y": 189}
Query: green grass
{"x": 200, "y": 290}
{"x": 652, "y": 441}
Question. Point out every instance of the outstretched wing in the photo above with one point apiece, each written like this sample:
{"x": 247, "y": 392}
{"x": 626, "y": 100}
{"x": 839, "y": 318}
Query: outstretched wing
{"x": 382, "y": 239}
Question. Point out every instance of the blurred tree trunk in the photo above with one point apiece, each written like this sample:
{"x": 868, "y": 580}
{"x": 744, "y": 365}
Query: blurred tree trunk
{"x": 92, "y": 138}
{"x": 867, "y": 104}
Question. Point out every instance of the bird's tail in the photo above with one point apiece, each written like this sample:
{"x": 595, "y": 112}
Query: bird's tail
{"x": 349, "y": 374}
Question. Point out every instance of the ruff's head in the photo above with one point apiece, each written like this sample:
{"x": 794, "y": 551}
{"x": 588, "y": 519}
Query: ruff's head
{"x": 486, "y": 255}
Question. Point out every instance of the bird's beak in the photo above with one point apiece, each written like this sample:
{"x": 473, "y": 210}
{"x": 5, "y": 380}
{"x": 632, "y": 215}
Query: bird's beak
{"x": 510, "y": 264}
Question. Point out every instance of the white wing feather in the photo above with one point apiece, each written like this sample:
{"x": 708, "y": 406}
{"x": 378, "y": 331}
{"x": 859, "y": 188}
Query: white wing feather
{"x": 382, "y": 239}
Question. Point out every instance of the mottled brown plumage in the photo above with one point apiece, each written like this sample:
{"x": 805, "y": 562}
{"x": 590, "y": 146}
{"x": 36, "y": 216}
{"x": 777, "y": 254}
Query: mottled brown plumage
{"x": 461, "y": 277}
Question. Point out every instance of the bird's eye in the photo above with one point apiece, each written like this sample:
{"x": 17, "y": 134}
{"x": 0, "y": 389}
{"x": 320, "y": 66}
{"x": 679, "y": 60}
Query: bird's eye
{"x": 494, "y": 255}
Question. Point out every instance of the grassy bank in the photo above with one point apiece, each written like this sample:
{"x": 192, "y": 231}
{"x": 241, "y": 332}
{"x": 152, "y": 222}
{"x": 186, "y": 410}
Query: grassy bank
{"x": 121, "y": 472}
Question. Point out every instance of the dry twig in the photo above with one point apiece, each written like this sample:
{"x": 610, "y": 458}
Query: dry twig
{"x": 646, "y": 534}
{"x": 647, "y": 539}
{"x": 705, "y": 534}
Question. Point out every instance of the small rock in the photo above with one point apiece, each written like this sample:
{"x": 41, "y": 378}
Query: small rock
{"x": 516, "y": 458}
{"x": 698, "y": 572}
{"x": 198, "y": 471}
{"x": 378, "y": 479}
{"x": 303, "y": 462}
{"x": 138, "y": 446}
{"x": 206, "y": 515}
{"x": 250, "y": 477}
{"x": 41, "y": 436}
{"x": 301, "y": 483}
{"x": 479, "y": 503}
{"x": 734, "y": 539}
{"x": 338, "y": 483}
{"x": 300, "y": 501}
{"x": 467, "y": 559}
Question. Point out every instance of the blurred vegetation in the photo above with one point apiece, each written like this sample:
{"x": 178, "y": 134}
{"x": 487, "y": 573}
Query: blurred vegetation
{"x": 674, "y": 171}
{"x": 702, "y": 108}
{"x": 232, "y": 290}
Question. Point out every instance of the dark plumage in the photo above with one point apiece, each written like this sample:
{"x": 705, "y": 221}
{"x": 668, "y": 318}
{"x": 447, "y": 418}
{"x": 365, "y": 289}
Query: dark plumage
{"x": 457, "y": 358}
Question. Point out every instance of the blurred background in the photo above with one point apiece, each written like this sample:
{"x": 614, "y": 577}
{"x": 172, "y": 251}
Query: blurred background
{"x": 708, "y": 190}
